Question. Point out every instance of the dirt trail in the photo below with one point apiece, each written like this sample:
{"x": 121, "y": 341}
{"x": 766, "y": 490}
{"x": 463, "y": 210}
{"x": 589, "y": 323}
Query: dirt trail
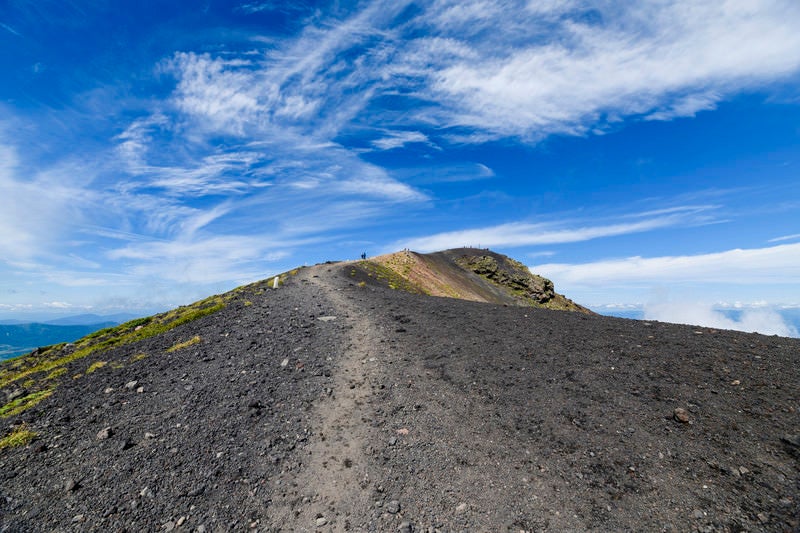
{"x": 337, "y": 473}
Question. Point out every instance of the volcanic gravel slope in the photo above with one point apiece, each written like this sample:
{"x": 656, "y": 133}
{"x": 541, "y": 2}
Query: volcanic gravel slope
{"x": 330, "y": 406}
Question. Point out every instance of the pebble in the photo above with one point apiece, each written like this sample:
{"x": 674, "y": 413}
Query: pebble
{"x": 681, "y": 415}
{"x": 393, "y": 507}
{"x": 392, "y": 441}
{"x": 78, "y": 518}
{"x": 71, "y": 485}
{"x": 146, "y": 493}
{"x": 743, "y": 471}
{"x": 169, "y": 526}
{"x": 405, "y": 527}
{"x": 321, "y": 521}
{"x": 108, "y": 390}
{"x": 698, "y": 514}
{"x": 763, "y": 517}
{"x": 461, "y": 507}
{"x": 131, "y": 385}
{"x": 180, "y": 521}
{"x": 140, "y": 390}
{"x": 284, "y": 362}
{"x": 104, "y": 433}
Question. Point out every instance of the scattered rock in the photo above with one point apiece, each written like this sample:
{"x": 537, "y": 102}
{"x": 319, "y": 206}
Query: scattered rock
{"x": 146, "y": 493}
{"x": 78, "y": 518}
{"x": 393, "y": 507}
{"x": 284, "y": 363}
{"x": 327, "y": 318}
{"x": 169, "y": 526}
{"x": 405, "y": 527}
{"x": 131, "y": 385}
{"x": 104, "y": 433}
{"x": 321, "y": 521}
{"x": 763, "y": 517}
{"x": 681, "y": 415}
{"x": 140, "y": 390}
{"x": 14, "y": 394}
{"x": 461, "y": 507}
{"x": 108, "y": 390}
{"x": 71, "y": 485}
{"x": 736, "y": 382}
{"x": 180, "y": 521}
{"x": 698, "y": 514}
{"x": 392, "y": 441}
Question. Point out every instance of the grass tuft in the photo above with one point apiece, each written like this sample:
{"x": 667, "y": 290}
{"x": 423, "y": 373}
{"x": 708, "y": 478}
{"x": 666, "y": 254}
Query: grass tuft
{"x": 185, "y": 344}
{"x": 21, "y": 436}
{"x": 15, "y": 407}
{"x": 96, "y": 366}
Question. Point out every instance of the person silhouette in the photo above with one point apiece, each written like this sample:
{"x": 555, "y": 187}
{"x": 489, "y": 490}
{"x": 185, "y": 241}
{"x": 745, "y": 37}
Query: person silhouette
{"x": 364, "y": 255}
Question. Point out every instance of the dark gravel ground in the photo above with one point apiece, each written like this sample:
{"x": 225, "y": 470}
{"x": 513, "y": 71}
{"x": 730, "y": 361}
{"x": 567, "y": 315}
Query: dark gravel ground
{"x": 329, "y": 406}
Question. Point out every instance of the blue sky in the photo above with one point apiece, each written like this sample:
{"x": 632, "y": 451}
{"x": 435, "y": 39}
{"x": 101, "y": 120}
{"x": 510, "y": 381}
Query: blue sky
{"x": 155, "y": 154}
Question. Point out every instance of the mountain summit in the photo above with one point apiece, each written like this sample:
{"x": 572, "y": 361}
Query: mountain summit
{"x": 342, "y": 401}
{"x": 473, "y": 274}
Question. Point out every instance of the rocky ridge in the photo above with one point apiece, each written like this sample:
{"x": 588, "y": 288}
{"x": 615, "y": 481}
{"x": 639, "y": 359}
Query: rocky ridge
{"x": 336, "y": 403}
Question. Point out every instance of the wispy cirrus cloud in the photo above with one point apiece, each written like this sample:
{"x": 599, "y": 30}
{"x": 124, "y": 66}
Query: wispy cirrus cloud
{"x": 600, "y": 62}
{"x": 518, "y": 234}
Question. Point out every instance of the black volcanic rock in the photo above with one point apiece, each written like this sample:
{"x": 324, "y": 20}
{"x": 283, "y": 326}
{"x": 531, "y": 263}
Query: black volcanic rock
{"x": 329, "y": 406}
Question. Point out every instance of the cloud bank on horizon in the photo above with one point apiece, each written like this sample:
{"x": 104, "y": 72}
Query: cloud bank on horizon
{"x": 166, "y": 152}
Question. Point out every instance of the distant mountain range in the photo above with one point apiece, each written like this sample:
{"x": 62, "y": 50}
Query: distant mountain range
{"x": 18, "y": 337}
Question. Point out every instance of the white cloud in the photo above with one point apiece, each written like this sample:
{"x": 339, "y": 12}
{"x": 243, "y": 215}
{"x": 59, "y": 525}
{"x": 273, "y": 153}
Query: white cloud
{"x": 526, "y": 234}
{"x": 766, "y": 321}
{"x": 772, "y": 265}
{"x": 794, "y": 237}
{"x": 398, "y": 139}
{"x": 542, "y": 74}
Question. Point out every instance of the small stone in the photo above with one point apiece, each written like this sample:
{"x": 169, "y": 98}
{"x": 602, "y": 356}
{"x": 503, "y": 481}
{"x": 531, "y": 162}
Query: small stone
{"x": 108, "y": 390}
{"x": 461, "y": 507}
{"x": 78, "y": 518}
{"x": 146, "y": 493}
{"x": 140, "y": 390}
{"x": 405, "y": 527}
{"x": 169, "y": 526}
{"x": 72, "y": 485}
{"x": 149, "y": 435}
{"x": 200, "y": 529}
{"x": 743, "y": 471}
{"x": 681, "y": 415}
{"x": 736, "y": 382}
{"x": 131, "y": 385}
{"x": 284, "y": 362}
{"x": 393, "y": 507}
{"x": 327, "y": 318}
{"x": 698, "y": 514}
{"x": 321, "y": 521}
{"x": 104, "y": 433}
{"x": 392, "y": 441}
{"x": 763, "y": 517}
{"x": 180, "y": 521}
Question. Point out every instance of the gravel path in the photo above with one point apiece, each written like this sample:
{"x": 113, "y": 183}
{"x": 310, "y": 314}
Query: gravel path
{"x": 329, "y": 406}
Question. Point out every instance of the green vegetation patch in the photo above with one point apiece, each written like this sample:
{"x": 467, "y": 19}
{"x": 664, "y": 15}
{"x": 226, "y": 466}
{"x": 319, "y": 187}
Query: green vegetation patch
{"x": 389, "y": 277}
{"x": 181, "y": 345}
{"x": 18, "y": 405}
{"x": 97, "y": 365}
{"x": 53, "y": 357}
{"x": 21, "y": 436}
